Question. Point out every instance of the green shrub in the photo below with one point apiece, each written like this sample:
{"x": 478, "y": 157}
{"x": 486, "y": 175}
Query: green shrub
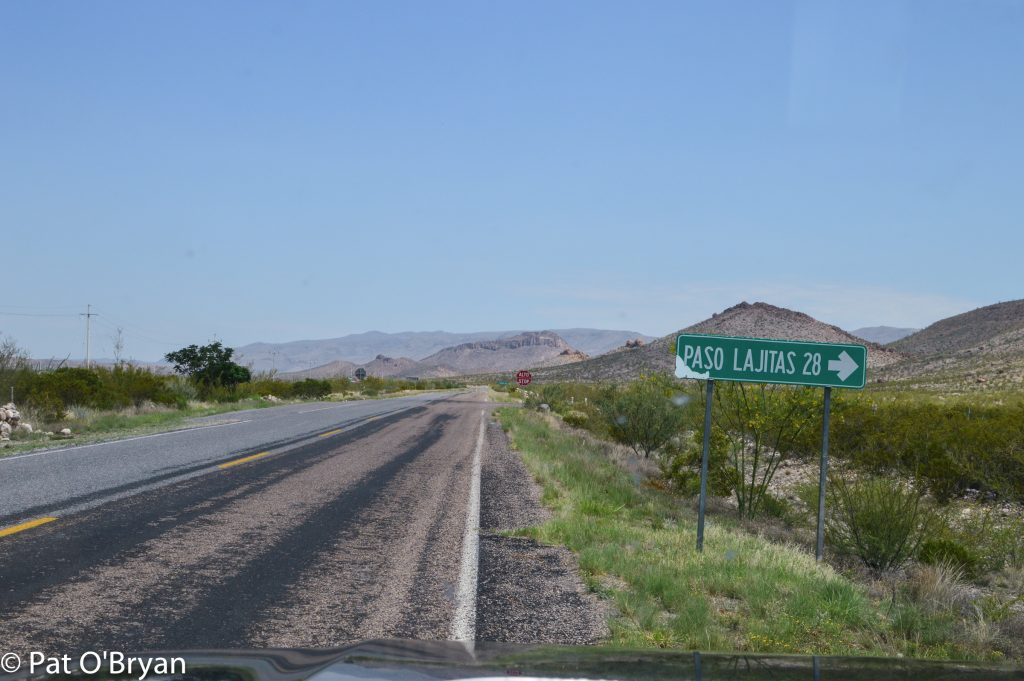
{"x": 948, "y": 447}
{"x": 565, "y": 397}
{"x": 219, "y": 393}
{"x": 125, "y": 385}
{"x": 341, "y": 385}
{"x": 263, "y": 386}
{"x": 950, "y": 552}
{"x": 181, "y": 390}
{"x": 67, "y": 386}
{"x": 311, "y": 388}
{"x": 48, "y": 407}
{"x": 681, "y": 469}
{"x": 576, "y": 418}
{"x": 997, "y": 540}
{"x": 877, "y": 520}
{"x": 643, "y": 415}
{"x": 775, "y": 507}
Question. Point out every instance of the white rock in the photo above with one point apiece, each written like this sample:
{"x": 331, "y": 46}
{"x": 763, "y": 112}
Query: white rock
{"x": 5, "y": 430}
{"x": 24, "y": 428}
{"x": 65, "y": 431}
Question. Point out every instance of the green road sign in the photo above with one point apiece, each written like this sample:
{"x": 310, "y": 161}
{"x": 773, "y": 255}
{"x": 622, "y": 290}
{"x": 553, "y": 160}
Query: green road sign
{"x": 760, "y": 360}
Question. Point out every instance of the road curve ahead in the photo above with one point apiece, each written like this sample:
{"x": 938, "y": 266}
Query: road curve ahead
{"x": 346, "y": 531}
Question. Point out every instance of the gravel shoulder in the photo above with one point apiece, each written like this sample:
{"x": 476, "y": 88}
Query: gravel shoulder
{"x": 527, "y": 592}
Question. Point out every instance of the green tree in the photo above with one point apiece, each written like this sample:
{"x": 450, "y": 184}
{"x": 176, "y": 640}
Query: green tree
{"x": 765, "y": 425}
{"x": 644, "y": 415}
{"x": 209, "y": 365}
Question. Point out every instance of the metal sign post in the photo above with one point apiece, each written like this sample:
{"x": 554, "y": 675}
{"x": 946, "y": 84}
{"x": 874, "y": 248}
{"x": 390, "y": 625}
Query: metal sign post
{"x": 704, "y": 465}
{"x": 763, "y": 360}
{"x": 822, "y": 476}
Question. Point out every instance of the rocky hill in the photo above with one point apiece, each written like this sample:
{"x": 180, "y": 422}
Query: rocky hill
{"x": 532, "y": 349}
{"x": 330, "y": 370}
{"x": 759, "y": 320}
{"x": 382, "y": 365}
{"x": 964, "y": 331}
{"x": 980, "y": 349}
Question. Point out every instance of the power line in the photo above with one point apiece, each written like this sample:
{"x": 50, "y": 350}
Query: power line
{"x": 88, "y": 314}
{"x": 139, "y": 332}
{"x": 130, "y": 330}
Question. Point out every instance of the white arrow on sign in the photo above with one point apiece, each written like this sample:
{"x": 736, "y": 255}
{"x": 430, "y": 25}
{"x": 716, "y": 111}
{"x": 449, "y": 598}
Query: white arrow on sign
{"x": 844, "y": 366}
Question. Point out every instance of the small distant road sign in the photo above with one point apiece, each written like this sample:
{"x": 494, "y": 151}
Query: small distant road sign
{"x": 360, "y": 373}
{"x": 503, "y": 382}
{"x": 760, "y": 360}
{"x": 524, "y": 377}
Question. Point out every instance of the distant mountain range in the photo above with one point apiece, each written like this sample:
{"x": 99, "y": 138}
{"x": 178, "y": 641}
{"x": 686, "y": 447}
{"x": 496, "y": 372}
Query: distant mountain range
{"x": 883, "y": 334}
{"x": 530, "y": 349}
{"x": 360, "y": 348}
{"x": 977, "y": 350}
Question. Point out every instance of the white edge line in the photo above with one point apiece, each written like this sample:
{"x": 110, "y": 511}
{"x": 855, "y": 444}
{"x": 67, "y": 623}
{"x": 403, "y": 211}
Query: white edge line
{"x": 114, "y": 442}
{"x": 464, "y": 623}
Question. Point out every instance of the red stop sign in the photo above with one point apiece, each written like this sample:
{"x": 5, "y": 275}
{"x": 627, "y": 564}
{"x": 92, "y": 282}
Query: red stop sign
{"x": 524, "y": 377}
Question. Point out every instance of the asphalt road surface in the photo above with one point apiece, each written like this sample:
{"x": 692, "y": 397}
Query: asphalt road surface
{"x": 305, "y": 526}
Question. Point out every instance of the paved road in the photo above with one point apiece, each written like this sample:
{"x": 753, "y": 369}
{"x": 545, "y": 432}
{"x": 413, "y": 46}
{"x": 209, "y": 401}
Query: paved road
{"x": 304, "y": 526}
{"x": 40, "y": 483}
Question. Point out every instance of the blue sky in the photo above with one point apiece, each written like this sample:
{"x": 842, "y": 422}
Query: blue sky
{"x": 276, "y": 171}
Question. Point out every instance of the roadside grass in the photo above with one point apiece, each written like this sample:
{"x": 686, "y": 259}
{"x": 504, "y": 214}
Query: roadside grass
{"x": 635, "y": 546}
{"x": 502, "y": 396}
{"x": 95, "y": 425}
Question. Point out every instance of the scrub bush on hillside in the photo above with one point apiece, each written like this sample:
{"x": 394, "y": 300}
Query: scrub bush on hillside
{"x": 880, "y": 521}
{"x": 681, "y": 469}
{"x": 645, "y": 415}
{"x": 950, "y": 449}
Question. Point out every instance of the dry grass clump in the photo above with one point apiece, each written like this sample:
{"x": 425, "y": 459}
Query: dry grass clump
{"x": 939, "y": 588}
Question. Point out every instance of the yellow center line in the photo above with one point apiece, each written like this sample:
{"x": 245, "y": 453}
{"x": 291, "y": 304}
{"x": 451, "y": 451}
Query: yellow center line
{"x": 331, "y": 432}
{"x": 244, "y": 459}
{"x": 25, "y": 526}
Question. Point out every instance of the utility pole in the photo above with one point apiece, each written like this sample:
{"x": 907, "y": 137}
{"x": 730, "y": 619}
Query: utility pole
{"x": 88, "y": 314}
